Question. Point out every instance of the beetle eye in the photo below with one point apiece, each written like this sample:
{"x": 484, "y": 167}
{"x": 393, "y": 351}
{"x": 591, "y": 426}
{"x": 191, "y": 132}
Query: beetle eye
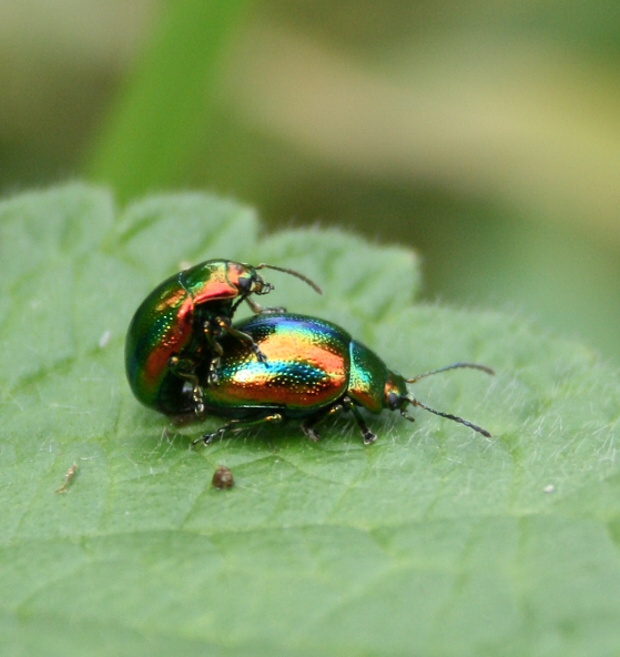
{"x": 393, "y": 400}
{"x": 244, "y": 283}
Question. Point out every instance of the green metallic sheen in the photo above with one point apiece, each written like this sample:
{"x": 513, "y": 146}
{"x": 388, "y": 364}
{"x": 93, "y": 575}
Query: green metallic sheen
{"x": 312, "y": 371}
{"x": 175, "y": 322}
{"x": 307, "y": 367}
{"x": 367, "y": 378}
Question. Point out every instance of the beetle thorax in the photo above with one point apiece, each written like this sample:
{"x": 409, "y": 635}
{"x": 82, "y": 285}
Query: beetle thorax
{"x": 395, "y": 392}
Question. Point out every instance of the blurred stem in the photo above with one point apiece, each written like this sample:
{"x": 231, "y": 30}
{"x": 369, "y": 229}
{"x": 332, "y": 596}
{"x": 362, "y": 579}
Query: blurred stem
{"x": 152, "y": 133}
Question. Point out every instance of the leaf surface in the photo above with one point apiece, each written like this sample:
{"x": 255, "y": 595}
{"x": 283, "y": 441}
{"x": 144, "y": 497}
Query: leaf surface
{"x": 432, "y": 541}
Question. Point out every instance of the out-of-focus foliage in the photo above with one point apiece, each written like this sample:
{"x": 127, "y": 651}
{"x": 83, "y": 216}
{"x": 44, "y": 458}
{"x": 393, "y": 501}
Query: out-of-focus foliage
{"x": 484, "y": 134}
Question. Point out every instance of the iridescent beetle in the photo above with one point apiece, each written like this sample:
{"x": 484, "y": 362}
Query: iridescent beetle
{"x": 181, "y": 324}
{"x": 313, "y": 370}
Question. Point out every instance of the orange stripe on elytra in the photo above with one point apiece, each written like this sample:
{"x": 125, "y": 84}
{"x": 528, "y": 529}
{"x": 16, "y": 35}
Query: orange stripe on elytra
{"x": 290, "y": 347}
{"x": 173, "y": 338}
{"x": 269, "y": 385}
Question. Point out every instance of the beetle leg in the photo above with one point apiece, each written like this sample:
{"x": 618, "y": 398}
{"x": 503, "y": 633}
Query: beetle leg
{"x": 213, "y": 329}
{"x": 309, "y": 432}
{"x": 244, "y": 337}
{"x": 256, "y": 308}
{"x": 272, "y": 311}
{"x": 237, "y": 425}
{"x": 240, "y": 335}
{"x": 309, "y": 427}
{"x": 185, "y": 369}
{"x": 368, "y": 436}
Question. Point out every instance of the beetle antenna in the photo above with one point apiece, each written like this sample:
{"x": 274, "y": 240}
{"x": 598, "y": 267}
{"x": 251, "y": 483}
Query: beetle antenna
{"x": 292, "y": 272}
{"x": 414, "y": 402}
{"x": 454, "y": 366}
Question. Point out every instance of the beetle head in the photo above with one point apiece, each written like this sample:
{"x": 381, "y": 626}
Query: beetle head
{"x": 397, "y": 397}
{"x": 246, "y": 279}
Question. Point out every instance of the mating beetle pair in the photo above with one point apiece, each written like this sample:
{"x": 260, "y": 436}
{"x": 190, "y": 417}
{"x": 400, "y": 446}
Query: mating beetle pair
{"x": 184, "y": 356}
{"x": 179, "y": 326}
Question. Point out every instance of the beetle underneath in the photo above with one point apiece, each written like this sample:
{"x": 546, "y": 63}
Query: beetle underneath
{"x": 313, "y": 370}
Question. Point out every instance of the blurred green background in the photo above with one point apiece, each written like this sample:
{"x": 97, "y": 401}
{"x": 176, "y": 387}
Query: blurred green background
{"x": 484, "y": 134}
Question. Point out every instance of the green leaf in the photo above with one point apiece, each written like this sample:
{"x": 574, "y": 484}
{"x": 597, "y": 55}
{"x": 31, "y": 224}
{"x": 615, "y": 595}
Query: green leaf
{"x": 432, "y": 541}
